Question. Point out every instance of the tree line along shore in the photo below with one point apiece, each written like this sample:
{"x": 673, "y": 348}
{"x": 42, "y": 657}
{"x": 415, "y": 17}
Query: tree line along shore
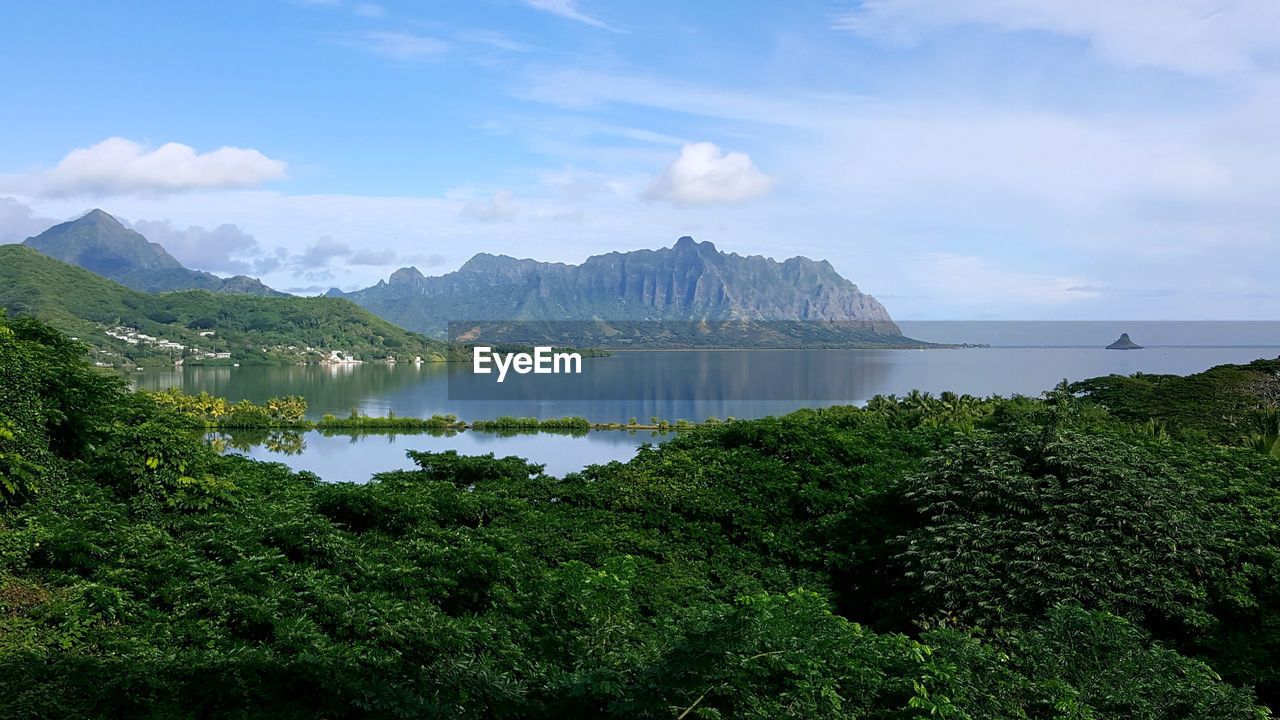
{"x": 204, "y": 410}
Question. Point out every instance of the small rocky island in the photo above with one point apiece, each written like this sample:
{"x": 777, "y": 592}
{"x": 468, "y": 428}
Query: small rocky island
{"x": 1124, "y": 343}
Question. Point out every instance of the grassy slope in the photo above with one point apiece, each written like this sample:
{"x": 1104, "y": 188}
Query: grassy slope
{"x": 80, "y": 303}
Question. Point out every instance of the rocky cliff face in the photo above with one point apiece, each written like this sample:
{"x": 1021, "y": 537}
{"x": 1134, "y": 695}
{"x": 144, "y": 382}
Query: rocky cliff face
{"x": 100, "y": 244}
{"x": 689, "y": 282}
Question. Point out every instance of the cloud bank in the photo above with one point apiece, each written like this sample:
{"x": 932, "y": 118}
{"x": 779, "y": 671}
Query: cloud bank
{"x": 499, "y": 208}
{"x": 1199, "y": 37}
{"x": 117, "y": 166}
{"x": 979, "y": 283}
{"x": 218, "y": 250}
{"x": 19, "y": 222}
{"x": 567, "y": 9}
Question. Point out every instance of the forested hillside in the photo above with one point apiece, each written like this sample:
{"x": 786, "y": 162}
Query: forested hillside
{"x": 252, "y": 329}
{"x": 1225, "y": 403}
{"x": 921, "y": 557}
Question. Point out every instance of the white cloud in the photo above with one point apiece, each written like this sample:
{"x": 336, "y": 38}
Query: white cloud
{"x": 566, "y": 9}
{"x": 1200, "y": 37}
{"x": 117, "y": 166}
{"x": 370, "y": 10}
{"x": 402, "y": 47}
{"x": 499, "y": 208}
{"x": 705, "y": 175}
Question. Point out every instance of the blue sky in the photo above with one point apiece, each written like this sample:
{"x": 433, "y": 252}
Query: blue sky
{"x": 1060, "y": 159}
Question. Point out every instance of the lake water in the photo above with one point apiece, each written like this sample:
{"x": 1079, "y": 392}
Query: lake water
{"x": 354, "y": 458}
{"x": 690, "y": 385}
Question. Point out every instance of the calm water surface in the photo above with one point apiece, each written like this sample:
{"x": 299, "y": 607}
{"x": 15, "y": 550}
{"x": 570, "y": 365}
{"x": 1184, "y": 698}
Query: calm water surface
{"x": 354, "y": 458}
{"x": 691, "y": 385}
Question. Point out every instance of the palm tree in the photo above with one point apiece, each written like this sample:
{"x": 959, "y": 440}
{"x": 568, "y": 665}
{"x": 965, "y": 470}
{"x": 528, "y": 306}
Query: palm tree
{"x": 1267, "y": 441}
{"x": 917, "y": 400}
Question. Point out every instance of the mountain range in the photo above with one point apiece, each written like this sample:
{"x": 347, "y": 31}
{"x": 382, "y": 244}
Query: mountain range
{"x": 690, "y": 294}
{"x": 102, "y": 245}
{"x": 686, "y": 295}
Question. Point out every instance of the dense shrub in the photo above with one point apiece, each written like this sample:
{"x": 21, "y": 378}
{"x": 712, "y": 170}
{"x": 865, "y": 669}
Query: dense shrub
{"x": 993, "y": 559}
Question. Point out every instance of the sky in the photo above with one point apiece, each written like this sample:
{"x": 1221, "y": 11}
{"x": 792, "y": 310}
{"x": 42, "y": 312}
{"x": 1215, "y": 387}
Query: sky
{"x": 986, "y": 159}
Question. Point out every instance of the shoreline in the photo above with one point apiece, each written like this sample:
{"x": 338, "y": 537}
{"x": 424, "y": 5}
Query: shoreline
{"x": 420, "y": 425}
{"x": 930, "y": 346}
{"x": 610, "y": 352}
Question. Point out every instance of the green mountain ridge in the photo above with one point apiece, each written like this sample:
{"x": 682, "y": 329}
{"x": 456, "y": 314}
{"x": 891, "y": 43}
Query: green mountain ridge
{"x": 252, "y": 329}
{"x": 100, "y": 244}
{"x": 687, "y": 295}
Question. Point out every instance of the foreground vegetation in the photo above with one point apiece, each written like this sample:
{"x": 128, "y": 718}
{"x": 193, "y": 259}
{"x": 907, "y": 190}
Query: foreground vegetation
{"x": 921, "y": 557}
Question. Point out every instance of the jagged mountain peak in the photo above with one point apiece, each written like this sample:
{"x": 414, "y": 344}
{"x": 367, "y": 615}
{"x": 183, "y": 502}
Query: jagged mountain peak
{"x": 505, "y": 265}
{"x": 101, "y": 244}
{"x": 404, "y": 275}
{"x": 99, "y": 215}
{"x": 689, "y": 281}
{"x": 687, "y": 243}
